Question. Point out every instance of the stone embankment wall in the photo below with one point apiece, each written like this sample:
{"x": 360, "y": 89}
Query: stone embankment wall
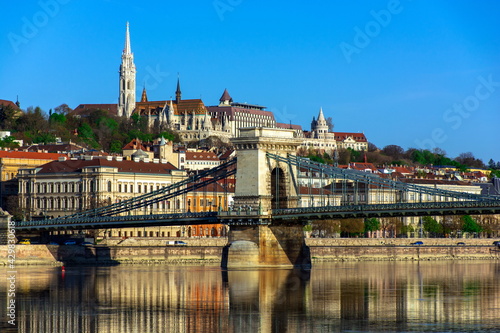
{"x": 360, "y": 249}
{"x": 209, "y": 251}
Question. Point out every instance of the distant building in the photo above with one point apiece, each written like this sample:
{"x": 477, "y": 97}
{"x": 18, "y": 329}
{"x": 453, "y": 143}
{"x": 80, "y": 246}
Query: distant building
{"x": 11, "y": 162}
{"x": 320, "y": 138}
{"x": 201, "y": 160}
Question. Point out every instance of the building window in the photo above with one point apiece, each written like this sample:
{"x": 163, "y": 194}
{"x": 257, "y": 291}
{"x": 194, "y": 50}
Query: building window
{"x": 109, "y": 186}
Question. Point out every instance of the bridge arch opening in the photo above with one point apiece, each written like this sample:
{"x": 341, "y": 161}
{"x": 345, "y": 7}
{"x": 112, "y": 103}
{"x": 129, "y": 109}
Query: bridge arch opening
{"x": 278, "y": 189}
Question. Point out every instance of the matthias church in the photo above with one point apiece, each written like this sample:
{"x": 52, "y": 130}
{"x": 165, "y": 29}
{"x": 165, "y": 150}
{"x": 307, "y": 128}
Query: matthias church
{"x": 193, "y": 121}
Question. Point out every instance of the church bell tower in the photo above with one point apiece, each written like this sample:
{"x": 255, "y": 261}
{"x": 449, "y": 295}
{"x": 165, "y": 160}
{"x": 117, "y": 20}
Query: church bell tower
{"x": 126, "y": 99}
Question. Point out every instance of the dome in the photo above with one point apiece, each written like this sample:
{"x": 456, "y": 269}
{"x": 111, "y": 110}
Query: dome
{"x": 140, "y": 153}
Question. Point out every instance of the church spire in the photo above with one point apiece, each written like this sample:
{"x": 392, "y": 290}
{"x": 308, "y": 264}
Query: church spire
{"x": 127, "y": 49}
{"x": 144, "y": 97}
{"x": 178, "y": 92}
{"x": 126, "y": 98}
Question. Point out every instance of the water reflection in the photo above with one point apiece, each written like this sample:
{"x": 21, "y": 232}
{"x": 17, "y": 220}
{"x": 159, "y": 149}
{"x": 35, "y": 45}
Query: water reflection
{"x": 432, "y": 296}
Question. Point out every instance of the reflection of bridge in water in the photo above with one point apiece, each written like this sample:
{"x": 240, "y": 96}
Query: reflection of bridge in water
{"x": 356, "y": 296}
{"x": 266, "y": 225}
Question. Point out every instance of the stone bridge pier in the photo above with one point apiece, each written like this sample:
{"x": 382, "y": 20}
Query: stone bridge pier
{"x": 264, "y": 184}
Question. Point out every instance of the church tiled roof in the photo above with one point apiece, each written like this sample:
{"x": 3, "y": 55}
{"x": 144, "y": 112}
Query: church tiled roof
{"x": 111, "y": 108}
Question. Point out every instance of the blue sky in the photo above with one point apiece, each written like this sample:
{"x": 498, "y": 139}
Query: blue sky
{"x": 415, "y": 73}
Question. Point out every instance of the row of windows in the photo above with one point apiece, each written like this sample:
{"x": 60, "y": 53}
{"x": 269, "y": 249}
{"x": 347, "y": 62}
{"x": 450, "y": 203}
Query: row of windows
{"x": 57, "y": 203}
{"x": 129, "y": 188}
{"x": 203, "y": 162}
{"x": 58, "y": 187}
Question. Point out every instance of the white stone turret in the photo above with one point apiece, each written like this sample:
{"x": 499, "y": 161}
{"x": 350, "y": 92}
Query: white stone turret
{"x": 126, "y": 98}
{"x": 320, "y": 126}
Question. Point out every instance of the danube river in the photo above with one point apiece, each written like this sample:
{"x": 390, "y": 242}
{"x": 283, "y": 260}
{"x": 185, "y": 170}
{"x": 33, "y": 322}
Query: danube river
{"x": 333, "y": 297}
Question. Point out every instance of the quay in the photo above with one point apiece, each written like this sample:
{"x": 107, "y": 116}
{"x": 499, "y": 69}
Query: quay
{"x": 209, "y": 251}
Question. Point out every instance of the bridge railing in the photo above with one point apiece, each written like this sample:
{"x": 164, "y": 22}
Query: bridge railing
{"x": 190, "y": 184}
{"x": 374, "y": 180}
{"x": 388, "y": 207}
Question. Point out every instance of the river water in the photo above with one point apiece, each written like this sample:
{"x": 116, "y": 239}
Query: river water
{"x": 332, "y": 297}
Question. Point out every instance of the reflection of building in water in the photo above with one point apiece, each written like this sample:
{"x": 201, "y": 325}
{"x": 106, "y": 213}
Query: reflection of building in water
{"x": 440, "y": 293}
{"x": 345, "y": 296}
{"x": 128, "y": 299}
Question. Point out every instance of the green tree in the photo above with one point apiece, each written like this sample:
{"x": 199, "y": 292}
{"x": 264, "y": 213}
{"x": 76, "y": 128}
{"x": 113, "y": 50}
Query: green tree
{"x": 371, "y": 225}
{"x": 352, "y": 227}
{"x": 57, "y": 118}
{"x": 116, "y": 147}
{"x": 432, "y": 226}
{"x": 8, "y": 116}
{"x": 470, "y": 225}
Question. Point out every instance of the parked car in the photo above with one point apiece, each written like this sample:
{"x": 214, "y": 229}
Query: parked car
{"x": 25, "y": 241}
{"x": 53, "y": 243}
{"x": 461, "y": 243}
{"x": 496, "y": 243}
{"x": 69, "y": 242}
{"x": 418, "y": 243}
{"x": 86, "y": 244}
{"x": 178, "y": 243}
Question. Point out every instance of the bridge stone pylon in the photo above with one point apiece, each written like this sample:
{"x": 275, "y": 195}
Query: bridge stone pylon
{"x": 263, "y": 183}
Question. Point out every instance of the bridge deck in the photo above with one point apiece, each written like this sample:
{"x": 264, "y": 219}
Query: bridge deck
{"x": 128, "y": 221}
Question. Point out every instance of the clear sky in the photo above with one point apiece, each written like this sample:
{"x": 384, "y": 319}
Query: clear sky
{"x": 415, "y": 73}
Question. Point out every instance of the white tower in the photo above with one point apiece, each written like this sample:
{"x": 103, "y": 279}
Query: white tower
{"x": 320, "y": 126}
{"x": 126, "y": 99}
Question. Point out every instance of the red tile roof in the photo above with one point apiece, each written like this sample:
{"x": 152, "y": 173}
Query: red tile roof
{"x": 9, "y": 103}
{"x": 135, "y": 144}
{"x": 123, "y": 166}
{"x": 292, "y": 126}
{"x": 111, "y": 108}
{"x": 201, "y": 156}
{"x": 29, "y": 155}
{"x": 341, "y": 136}
{"x": 53, "y": 148}
{"x": 362, "y": 166}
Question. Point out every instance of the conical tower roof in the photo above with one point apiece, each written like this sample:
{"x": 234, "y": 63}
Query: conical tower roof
{"x": 321, "y": 117}
{"x": 226, "y": 97}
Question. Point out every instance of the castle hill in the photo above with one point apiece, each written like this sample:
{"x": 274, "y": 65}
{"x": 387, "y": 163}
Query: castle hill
{"x": 228, "y": 184}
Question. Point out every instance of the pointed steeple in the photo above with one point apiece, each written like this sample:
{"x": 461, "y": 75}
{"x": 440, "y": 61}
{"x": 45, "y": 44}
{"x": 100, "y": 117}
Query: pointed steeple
{"x": 126, "y": 97}
{"x": 225, "y": 99}
{"x": 144, "y": 97}
{"x": 321, "y": 117}
{"x": 178, "y": 92}
{"x": 127, "y": 49}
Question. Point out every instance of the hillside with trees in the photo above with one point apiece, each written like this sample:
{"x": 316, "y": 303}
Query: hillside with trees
{"x": 97, "y": 129}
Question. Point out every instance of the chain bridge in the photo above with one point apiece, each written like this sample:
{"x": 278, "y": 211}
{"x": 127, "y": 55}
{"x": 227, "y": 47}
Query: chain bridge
{"x": 276, "y": 194}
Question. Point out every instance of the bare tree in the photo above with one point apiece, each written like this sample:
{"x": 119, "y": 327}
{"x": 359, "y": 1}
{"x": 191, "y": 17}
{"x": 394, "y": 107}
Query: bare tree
{"x": 394, "y": 151}
{"x": 329, "y": 122}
